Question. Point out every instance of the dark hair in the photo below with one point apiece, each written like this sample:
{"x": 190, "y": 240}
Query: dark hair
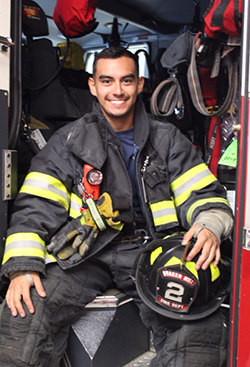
{"x": 115, "y": 53}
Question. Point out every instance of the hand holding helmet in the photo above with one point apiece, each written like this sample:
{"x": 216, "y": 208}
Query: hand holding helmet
{"x": 207, "y": 245}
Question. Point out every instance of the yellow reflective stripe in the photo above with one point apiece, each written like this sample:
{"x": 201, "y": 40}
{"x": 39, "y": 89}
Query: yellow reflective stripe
{"x": 46, "y": 186}
{"x": 24, "y": 244}
{"x": 23, "y": 252}
{"x": 190, "y": 265}
{"x": 163, "y": 212}
{"x": 172, "y": 234}
{"x": 194, "y": 179}
{"x": 173, "y": 261}
{"x": 49, "y": 258}
{"x": 215, "y": 272}
{"x": 154, "y": 254}
{"x": 75, "y": 205}
{"x": 202, "y": 202}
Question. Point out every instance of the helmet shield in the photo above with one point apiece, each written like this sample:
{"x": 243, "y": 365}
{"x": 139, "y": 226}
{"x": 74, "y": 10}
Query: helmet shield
{"x": 175, "y": 289}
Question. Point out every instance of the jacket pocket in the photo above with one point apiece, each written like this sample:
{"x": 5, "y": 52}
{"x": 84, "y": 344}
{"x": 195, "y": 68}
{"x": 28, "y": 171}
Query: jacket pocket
{"x": 157, "y": 183}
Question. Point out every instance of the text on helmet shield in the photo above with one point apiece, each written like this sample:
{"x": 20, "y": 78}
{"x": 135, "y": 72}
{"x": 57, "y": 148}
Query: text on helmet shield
{"x": 176, "y": 275}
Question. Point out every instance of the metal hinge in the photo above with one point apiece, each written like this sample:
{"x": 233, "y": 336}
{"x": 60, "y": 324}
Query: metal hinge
{"x": 9, "y": 183}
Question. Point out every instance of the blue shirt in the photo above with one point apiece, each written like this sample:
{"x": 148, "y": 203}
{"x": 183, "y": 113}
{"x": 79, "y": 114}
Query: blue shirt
{"x": 128, "y": 149}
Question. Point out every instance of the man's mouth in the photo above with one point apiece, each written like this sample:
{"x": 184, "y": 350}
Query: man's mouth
{"x": 117, "y": 102}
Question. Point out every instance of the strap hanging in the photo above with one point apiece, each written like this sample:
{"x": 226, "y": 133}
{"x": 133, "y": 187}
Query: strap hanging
{"x": 195, "y": 87}
{"x": 171, "y": 99}
{"x": 211, "y": 143}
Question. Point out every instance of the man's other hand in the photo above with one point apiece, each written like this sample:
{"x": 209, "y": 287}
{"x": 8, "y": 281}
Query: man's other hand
{"x": 19, "y": 290}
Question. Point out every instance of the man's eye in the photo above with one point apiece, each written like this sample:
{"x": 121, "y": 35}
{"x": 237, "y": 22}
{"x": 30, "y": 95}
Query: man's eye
{"x": 105, "y": 81}
{"x": 127, "y": 81}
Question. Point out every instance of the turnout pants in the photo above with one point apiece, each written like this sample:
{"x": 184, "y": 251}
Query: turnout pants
{"x": 40, "y": 340}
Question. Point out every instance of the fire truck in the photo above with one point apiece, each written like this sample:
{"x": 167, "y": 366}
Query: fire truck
{"x": 148, "y": 31}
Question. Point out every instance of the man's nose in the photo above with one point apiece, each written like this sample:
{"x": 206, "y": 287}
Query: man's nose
{"x": 118, "y": 88}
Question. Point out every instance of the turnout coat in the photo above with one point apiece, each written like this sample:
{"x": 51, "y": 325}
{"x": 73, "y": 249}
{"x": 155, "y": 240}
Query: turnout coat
{"x": 173, "y": 184}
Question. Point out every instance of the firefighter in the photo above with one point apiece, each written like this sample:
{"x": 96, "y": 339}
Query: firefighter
{"x": 64, "y": 246}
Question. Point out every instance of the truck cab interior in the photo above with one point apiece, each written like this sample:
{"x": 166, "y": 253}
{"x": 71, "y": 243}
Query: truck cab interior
{"x": 55, "y": 69}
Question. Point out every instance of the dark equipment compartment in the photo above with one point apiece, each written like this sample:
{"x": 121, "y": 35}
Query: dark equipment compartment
{"x": 109, "y": 333}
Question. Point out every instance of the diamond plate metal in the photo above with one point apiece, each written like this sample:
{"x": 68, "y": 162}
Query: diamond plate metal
{"x": 141, "y": 361}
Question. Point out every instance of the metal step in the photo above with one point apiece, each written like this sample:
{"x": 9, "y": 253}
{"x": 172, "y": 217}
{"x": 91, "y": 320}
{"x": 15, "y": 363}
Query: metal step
{"x": 141, "y": 361}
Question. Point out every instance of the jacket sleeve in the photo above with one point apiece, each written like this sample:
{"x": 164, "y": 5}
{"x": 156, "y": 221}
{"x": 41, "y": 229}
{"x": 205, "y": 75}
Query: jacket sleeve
{"x": 193, "y": 186}
{"x": 40, "y": 209}
{"x": 217, "y": 221}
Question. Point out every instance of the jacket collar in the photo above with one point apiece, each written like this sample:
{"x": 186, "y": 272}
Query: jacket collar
{"x": 141, "y": 122}
{"x": 89, "y": 135}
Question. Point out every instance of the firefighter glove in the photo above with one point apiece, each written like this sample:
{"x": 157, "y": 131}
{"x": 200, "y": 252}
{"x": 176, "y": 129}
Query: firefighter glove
{"x": 80, "y": 234}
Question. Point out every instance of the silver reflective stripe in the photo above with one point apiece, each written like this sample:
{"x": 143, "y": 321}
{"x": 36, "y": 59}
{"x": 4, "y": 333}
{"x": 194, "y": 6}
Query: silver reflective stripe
{"x": 95, "y": 214}
{"x": 49, "y": 258}
{"x": 46, "y": 186}
{"x": 196, "y": 178}
{"x": 75, "y": 205}
{"x": 192, "y": 181}
{"x": 24, "y": 244}
{"x": 163, "y": 212}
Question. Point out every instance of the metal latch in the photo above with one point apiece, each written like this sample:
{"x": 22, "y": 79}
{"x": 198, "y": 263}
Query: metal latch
{"x": 5, "y": 42}
{"x": 246, "y": 237}
{"x": 236, "y": 127}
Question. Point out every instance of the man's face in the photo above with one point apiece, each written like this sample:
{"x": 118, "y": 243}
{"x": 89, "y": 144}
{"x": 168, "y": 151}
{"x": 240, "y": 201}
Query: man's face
{"x": 116, "y": 86}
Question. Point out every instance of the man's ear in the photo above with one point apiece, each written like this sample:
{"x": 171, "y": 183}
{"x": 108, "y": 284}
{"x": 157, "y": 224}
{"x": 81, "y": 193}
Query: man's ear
{"x": 140, "y": 84}
{"x": 91, "y": 83}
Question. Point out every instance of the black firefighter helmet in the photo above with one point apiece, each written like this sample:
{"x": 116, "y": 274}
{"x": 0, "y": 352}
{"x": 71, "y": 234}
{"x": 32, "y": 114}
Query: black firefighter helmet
{"x": 173, "y": 287}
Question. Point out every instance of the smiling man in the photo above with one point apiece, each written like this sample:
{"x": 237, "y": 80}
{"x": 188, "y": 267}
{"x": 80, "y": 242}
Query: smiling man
{"x": 63, "y": 248}
{"x": 116, "y": 85}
